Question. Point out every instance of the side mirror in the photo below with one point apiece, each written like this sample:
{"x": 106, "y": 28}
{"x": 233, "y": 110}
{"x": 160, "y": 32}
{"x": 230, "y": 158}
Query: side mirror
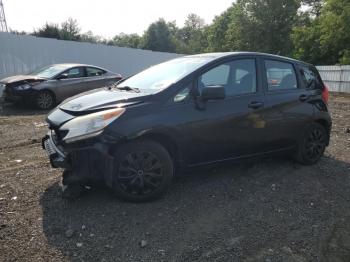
{"x": 213, "y": 93}
{"x": 62, "y": 76}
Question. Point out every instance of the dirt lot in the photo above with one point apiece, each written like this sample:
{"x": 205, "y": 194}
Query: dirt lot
{"x": 270, "y": 210}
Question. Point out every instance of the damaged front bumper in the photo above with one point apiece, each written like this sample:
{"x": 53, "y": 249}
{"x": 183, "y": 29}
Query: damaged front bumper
{"x": 58, "y": 158}
{"x": 87, "y": 161}
{"x": 14, "y": 96}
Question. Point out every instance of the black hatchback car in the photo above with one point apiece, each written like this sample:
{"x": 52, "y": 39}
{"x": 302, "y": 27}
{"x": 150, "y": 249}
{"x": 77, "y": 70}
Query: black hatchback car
{"x": 186, "y": 112}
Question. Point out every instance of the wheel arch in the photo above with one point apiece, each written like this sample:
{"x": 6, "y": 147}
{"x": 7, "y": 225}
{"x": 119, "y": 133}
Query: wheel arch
{"x": 164, "y": 139}
{"x": 169, "y": 143}
{"x": 326, "y": 125}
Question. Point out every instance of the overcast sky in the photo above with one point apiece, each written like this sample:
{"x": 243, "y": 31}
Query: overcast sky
{"x": 107, "y": 17}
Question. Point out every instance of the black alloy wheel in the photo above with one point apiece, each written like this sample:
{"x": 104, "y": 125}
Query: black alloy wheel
{"x": 140, "y": 173}
{"x": 312, "y": 145}
{"x": 144, "y": 171}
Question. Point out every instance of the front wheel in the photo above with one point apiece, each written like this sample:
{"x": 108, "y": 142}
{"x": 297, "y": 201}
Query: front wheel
{"x": 144, "y": 170}
{"x": 312, "y": 144}
{"x": 45, "y": 100}
{"x": 70, "y": 188}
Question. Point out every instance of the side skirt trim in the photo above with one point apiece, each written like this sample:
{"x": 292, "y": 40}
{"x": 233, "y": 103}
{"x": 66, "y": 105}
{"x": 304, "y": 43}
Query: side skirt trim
{"x": 242, "y": 157}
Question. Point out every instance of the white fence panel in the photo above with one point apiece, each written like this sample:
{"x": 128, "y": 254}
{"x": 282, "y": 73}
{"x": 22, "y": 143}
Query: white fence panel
{"x": 21, "y": 54}
{"x": 337, "y": 78}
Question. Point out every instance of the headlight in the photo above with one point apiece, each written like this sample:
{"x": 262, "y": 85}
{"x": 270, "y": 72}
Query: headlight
{"x": 90, "y": 125}
{"x": 23, "y": 87}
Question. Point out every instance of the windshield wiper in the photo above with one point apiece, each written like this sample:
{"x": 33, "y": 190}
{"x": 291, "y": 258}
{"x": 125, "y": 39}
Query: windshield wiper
{"x": 127, "y": 88}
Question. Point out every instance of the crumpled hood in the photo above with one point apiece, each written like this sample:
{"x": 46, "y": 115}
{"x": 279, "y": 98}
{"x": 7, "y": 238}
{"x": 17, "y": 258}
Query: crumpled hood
{"x": 19, "y": 78}
{"x": 101, "y": 99}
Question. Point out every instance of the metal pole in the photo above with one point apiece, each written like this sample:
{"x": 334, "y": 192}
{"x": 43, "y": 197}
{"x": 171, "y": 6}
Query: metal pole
{"x": 3, "y": 24}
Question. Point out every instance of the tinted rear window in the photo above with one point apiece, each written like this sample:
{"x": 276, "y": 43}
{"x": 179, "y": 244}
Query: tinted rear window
{"x": 280, "y": 75}
{"x": 310, "y": 77}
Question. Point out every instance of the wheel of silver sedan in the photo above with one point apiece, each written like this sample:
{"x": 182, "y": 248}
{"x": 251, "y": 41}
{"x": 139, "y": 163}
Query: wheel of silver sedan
{"x": 45, "y": 100}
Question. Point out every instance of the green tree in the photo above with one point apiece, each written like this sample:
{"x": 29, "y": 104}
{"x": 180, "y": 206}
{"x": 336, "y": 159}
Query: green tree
{"x": 127, "y": 40}
{"x": 90, "y": 37}
{"x": 16, "y": 32}
{"x": 70, "y": 30}
{"x": 262, "y": 25}
{"x": 217, "y": 31}
{"x": 159, "y": 37}
{"x": 315, "y": 6}
{"x": 48, "y": 31}
{"x": 191, "y": 37}
{"x": 327, "y": 39}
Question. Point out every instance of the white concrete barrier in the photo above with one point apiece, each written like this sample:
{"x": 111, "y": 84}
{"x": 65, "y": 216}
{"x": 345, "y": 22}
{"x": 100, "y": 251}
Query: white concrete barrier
{"x": 21, "y": 54}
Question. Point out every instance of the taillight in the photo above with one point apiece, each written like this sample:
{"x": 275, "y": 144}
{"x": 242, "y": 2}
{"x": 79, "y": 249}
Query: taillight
{"x": 325, "y": 94}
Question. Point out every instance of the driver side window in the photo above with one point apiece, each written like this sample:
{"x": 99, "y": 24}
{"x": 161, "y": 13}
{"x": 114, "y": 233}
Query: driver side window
{"x": 217, "y": 76}
{"x": 238, "y": 77}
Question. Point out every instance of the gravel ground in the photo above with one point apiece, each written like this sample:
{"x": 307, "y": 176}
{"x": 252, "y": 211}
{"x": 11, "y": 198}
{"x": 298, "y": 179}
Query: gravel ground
{"x": 266, "y": 210}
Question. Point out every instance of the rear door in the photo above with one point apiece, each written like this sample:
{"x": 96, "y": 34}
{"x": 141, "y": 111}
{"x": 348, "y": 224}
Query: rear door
{"x": 288, "y": 107}
{"x": 96, "y": 78}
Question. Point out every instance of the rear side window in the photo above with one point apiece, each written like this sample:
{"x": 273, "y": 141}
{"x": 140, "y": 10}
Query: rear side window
{"x": 92, "y": 71}
{"x": 280, "y": 75}
{"x": 310, "y": 77}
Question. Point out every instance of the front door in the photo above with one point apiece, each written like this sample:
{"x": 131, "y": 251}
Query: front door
{"x": 72, "y": 84}
{"x": 229, "y": 128}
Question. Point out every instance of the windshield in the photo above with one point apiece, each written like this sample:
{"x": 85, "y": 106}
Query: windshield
{"x": 49, "y": 71}
{"x": 161, "y": 76}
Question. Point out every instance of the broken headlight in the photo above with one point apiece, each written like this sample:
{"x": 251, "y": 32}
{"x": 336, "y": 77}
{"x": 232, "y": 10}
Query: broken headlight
{"x": 22, "y": 87}
{"x": 90, "y": 125}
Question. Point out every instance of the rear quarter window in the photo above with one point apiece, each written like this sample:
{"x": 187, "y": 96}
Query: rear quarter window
{"x": 310, "y": 77}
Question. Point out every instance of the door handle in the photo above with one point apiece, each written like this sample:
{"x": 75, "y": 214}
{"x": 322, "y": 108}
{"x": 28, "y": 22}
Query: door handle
{"x": 255, "y": 104}
{"x": 303, "y": 97}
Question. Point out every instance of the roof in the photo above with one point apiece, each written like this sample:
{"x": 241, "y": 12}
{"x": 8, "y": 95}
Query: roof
{"x": 68, "y": 65}
{"x": 226, "y": 54}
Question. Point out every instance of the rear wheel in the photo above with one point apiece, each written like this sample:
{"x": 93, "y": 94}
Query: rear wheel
{"x": 45, "y": 100}
{"x": 144, "y": 170}
{"x": 312, "y": 145}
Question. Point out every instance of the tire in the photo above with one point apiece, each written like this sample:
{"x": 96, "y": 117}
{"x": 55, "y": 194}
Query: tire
{"x": 70, "y": 190}
{"x": 143, "y": 171}
{"x": 312, "y": 144}
{"x": 45, "y": 100}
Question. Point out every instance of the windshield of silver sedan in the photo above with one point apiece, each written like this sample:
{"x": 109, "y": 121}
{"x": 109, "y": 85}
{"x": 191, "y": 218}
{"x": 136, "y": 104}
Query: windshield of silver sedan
{"x": 49, "y": 71}
{"x": 161, "y": 76}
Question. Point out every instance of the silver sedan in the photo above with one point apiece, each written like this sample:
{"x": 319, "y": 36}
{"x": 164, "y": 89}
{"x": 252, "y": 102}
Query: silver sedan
{"x": 50, "y": 85}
